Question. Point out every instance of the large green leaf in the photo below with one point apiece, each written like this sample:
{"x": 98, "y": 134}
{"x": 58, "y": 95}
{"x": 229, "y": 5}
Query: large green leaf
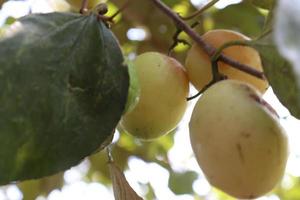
{"x": 171, "y": 2}
{"x": 234, "y": 16}
{"x": 63, "y": 88}
{"x": 281, "y": 61}
{"x": 182, "y": 183}
{"x": 266, "y": 4}
{"x": 280, "y": 74}
{"x": 287, "y": 27}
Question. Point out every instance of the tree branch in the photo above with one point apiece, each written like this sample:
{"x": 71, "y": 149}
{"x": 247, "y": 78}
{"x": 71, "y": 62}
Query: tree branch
{"x": 206, "y": 47}
{"x": 84, "y": 5}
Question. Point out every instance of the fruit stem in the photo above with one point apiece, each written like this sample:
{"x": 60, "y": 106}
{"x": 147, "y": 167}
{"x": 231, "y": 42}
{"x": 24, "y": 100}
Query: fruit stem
{"x": 205, "y": 46}
{"x": 217, "y": 76}
{"x": 201, "y": 10}
{"x": 229, "y": 44}
{"x": 109, "y": 154}
{"x": 201, "y": 91}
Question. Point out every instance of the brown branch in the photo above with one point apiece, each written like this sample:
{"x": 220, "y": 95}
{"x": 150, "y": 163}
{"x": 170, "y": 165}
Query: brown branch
{"x": 206, "y": 47}
{"x": 84, "y": 6}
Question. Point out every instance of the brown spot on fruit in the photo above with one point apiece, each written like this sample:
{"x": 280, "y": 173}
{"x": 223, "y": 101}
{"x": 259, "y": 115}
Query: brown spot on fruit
{"x": 240, "y": 152}
{"x": 245, "y": 134}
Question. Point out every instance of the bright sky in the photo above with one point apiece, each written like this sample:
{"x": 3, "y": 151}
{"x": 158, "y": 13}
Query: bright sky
{"x": 181, "y": 155}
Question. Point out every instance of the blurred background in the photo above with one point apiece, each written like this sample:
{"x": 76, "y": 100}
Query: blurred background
{"x": 164, "y": 169}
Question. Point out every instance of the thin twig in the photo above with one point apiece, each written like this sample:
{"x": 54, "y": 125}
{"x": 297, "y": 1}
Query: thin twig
{"x": 217, "y": 76}
{"x": 206, "y": 47}
{"x": 84, "y": 6}
{"x": 201, "y": 91}
{"x": 176, "y": 41}
{"x": 124, "y": 6}
{"x": 196, "y": 23}
{"x": 229, "y": 44}
{"x": 201, "y": 10}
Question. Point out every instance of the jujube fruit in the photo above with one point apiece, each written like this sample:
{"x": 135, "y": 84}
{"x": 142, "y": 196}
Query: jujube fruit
{"x": 198, "y": 63}
{"x": 164, "y": 87}
{"x": 237, "y": 140}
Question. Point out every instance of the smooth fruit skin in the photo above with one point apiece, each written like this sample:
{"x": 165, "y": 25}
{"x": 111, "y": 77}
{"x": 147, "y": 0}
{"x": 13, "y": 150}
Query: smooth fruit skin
{"x": 198, "y": 63}
{"x": 237, "y": 140}
{"x": 164, "y": 87}
{"x": 76, "y": 4}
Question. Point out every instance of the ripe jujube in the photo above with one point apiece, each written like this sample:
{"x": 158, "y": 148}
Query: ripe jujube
{"x": 237, "y": 140}
{"x": 198, "y": 63}
{"x": 164, "y": 87}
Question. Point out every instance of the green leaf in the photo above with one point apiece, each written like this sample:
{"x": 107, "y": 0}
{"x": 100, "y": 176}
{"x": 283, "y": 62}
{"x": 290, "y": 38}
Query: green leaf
{"x": 171, "y": 2}
{"x": 269, "y": 22}
{"x": 182, "y": 183}
{"x": 280, "y": 74}
{"x": 9, "y": 20}
{"x": 31, "y": 189}
{"x": 63, "y": 88}
{"x": 233, "y": 16}
{"x": 287, "y": 27}
{"x": 266, "y": 4}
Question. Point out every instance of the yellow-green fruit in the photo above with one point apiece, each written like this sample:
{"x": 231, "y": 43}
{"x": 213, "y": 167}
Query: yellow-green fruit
{"x": 59, "y": 6}
{"x": 76, "y": 4}
{"x": 198, "y": 63}
{"x": 164, "y": 87}
{"x": 237, "y": 140}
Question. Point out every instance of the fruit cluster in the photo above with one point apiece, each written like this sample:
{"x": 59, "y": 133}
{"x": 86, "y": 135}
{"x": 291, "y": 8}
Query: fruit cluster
{"x": 235, "y": 135}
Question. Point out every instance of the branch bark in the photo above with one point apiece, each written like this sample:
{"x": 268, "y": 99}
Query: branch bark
{"x": 205, "y": 46}
{"x": 1, "y": 2}
{"x": 84, "y": 5}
